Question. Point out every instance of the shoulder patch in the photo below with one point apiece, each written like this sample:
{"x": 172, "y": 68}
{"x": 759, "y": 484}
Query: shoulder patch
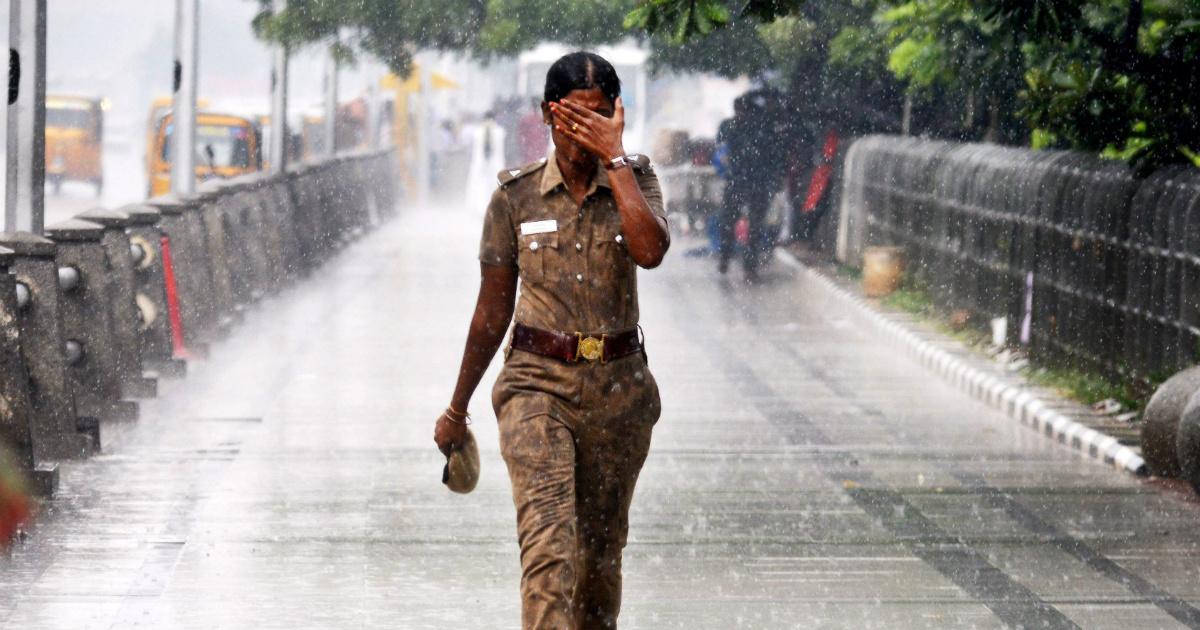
{"x": 510, "y": 175}
{"x": 640, "y": 163}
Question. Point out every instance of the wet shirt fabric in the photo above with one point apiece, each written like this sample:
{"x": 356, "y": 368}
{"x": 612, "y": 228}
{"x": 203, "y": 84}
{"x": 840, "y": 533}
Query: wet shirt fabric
{"x": 576, "y": 273}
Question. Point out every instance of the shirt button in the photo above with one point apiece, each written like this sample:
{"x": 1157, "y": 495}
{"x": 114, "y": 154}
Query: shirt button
{"x": 620, "y": 239}
{"x": 533, "y": 246}
{"x": 579, "y": 277}
{"x": 579, "y": 247}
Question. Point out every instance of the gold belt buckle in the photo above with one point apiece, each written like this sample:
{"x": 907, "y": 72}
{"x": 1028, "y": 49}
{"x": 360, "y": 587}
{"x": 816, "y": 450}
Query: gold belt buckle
{"x": 590, "y": 348}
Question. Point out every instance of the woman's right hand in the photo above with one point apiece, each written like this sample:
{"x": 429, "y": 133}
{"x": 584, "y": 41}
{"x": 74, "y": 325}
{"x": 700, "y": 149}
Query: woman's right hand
{"x": 449, "y": 433}
{"x": 493, "y": 312}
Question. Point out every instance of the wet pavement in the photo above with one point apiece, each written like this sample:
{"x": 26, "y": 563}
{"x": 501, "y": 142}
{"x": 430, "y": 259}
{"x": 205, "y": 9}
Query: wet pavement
{"x": 803, "y": 475}
{"x": 124, "y": 183}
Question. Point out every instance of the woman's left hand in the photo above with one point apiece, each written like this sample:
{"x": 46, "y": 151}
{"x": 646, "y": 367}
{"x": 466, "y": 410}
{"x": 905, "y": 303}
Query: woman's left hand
{"x": 597, "y": 134}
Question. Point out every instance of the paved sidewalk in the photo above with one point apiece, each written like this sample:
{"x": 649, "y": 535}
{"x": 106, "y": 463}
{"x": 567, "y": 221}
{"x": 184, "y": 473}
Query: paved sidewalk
{"x": 804, "y": 475}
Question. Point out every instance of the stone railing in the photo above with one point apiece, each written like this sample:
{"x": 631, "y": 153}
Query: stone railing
{"x": 106, "y": 303}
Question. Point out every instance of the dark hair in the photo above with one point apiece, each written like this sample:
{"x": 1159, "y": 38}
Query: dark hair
{"x": 581, "y": 71}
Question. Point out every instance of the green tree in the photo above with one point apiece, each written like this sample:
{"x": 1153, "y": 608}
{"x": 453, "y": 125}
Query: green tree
{"x": 389, "y": 30}
{"x": 392, "y": 30}
{"x": 1120, "y": 75}
{"x": 1113, "y": 76}
{"x": 949, "y": 50}
{"x": 513, "y": 26}
{"x": 785, "y": 41}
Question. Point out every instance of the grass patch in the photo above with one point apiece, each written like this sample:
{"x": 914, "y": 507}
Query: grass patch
{"x": 1082, "y": 385}
{"x": 1087, "y": 386}
{"x": 914, "y": 297}
{"x": 914, "y": 300}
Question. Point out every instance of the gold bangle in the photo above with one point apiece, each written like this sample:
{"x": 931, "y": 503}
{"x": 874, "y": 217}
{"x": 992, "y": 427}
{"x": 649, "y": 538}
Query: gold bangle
{"x": 466, "y": 417}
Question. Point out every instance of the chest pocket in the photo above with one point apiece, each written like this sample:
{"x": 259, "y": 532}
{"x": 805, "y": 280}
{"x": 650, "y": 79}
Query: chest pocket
{"x": 536, "y": 256}
{"x": 613, "y": 256}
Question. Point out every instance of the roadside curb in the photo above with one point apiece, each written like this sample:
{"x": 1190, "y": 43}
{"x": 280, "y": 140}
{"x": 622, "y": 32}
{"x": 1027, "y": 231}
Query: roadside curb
{"x": 1012, "y": 398}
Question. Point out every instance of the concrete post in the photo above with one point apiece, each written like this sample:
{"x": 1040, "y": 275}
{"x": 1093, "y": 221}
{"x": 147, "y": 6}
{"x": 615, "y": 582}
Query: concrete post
{"x": 181, "y": 222}
{"x": 17, "y": 430}
{"x": 24, "y": 207}
{"x": 55, "y": 429}
{"x": 279, "y": 85}
{"x": 125, "y": 319}
{"x": 331, "y": 103}
{"x": 89, "y": 322}
{"x": 145, "y": 236}
{"x": 374, "y": 105}
{"x": 183, "y": 116}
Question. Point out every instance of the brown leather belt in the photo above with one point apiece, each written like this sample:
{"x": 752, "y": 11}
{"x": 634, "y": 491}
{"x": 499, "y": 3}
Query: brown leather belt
{"x": 603, "y": 347}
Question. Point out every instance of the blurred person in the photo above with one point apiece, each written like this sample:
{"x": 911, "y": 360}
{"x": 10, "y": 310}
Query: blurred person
{"x": 444, "y": 142}
{"x": 487, "y": 157}
{"x": 508, "y": 117}
{"x": 809, "y": 208}
{"x": 533, "y": 136}
{"x": 447, "y": 136}
{"x": 575, "y": 400}
{"x": 754, "y": 140}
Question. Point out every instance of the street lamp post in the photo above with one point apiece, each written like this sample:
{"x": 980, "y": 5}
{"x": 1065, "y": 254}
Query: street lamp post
{"x": 183, "y": 105}
{"x": 279, "y": 88}
{"x": 374, "y": 107}
{"x": 24, "y": 203}
{"x": 331, "y": 103}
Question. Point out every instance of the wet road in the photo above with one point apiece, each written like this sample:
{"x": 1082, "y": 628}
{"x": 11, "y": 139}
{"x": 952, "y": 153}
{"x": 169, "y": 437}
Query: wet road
{"x": 124, "y": 182}
{"x": 803, "y": 475}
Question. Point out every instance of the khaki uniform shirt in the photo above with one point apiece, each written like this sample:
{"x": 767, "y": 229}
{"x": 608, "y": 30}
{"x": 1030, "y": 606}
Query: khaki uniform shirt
{"x": 576, "y": 273}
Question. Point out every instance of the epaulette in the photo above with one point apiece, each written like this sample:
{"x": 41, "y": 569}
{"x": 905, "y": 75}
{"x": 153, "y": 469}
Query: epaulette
{"x": 640, "y": 163}
{"x": 510, "y": 175}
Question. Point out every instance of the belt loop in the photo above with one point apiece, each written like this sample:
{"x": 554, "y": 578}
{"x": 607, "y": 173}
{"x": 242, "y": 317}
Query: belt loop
{"x": 578, "y": 342}
{"x": 603, "y": 349}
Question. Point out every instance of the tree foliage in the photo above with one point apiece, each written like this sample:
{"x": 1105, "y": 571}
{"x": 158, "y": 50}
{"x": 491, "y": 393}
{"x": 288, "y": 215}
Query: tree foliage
{"x": 513, "y": 26}
{"x": 392, "y": 30}
{"x": 1114, "y": 76}
{"x": 389, "y": 30}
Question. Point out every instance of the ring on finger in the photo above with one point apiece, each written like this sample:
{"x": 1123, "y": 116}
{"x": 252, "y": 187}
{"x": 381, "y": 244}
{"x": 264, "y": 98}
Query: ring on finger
{"x": 575, "y": 127}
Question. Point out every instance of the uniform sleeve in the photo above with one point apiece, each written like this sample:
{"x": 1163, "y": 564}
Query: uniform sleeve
{"x": 648, "y": 182}
{"x": 498, "y": 246}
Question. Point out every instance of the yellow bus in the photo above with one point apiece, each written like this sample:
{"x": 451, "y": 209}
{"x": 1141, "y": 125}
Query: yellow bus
{"x": 226, "y": 146}
{"x": 74, "y": 139}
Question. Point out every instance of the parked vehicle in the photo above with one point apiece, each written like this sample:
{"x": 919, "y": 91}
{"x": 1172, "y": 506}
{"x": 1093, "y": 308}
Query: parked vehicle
{"x": 226, "y": 146}
{"x": 159, "y": 110}
{"x": 74, "y": 140}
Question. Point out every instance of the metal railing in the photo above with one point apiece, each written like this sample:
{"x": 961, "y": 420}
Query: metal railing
{"x": 1090, "y": 265}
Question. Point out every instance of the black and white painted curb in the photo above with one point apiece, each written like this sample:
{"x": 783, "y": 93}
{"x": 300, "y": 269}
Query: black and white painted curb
{"x": 1011, "y": 398}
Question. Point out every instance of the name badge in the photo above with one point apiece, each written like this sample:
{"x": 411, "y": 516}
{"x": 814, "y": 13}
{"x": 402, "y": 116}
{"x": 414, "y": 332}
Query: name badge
{"x": 539, "y": 227}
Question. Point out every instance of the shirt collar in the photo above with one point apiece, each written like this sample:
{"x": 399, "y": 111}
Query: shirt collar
{"x": 552, "y": 177}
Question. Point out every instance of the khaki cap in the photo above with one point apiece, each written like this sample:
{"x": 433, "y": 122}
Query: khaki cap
{"x": 462, "y": 467}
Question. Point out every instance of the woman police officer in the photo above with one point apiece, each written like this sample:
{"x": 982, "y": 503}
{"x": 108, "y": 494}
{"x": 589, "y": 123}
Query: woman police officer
{"x": 575, "y": 400}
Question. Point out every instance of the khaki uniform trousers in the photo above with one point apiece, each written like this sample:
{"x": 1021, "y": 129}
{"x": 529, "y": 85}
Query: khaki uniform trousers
{"x": 574, "y": 437}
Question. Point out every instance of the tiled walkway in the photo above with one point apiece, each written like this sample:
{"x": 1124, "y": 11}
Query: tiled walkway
{"x": 803, "y": 475}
